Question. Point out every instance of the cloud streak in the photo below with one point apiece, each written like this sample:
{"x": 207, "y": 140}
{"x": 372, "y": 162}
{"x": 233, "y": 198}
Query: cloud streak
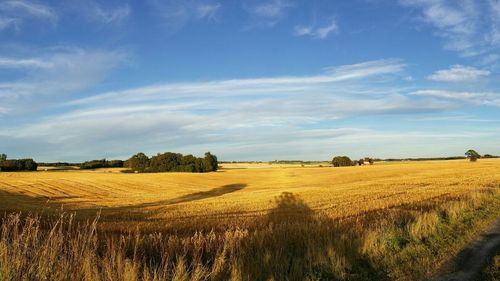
{"x": 23, "y": 63}
{"x": 317, "y": 32}
{"x": 42, "y": 84}
{"x": 478, "y": 98}
{"x": 176, "y": 14}
{"x": 14, "y": 12}
{"x": 102, "y": 15}
{"x": 268, "y": 14}
{"x": 459, "y": 73}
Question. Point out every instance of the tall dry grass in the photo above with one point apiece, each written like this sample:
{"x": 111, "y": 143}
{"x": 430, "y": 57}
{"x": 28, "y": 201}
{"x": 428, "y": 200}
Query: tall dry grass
{"x": 291, "y": 242}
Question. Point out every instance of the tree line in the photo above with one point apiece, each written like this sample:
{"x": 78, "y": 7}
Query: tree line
{"x": 345, "y": 161}
{"x": 16, "y": 165}
{"x": 103, "y": 163}
{"x": 171, "y": 162}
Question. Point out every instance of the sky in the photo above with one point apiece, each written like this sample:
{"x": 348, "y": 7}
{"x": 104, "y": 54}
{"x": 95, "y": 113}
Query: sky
{"x": 249, "y": 79}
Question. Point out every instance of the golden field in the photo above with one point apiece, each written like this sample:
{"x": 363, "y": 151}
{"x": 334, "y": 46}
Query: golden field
{"x": 397, "y": 221}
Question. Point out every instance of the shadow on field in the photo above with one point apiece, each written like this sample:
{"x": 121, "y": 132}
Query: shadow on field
{"x": 292, "y": 242}
{"x": 215, "y": 192}
{"x": 18, "y": 202}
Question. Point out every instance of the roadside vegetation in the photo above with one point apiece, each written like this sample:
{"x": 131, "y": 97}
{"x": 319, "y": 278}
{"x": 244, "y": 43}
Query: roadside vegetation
{"x": 492, "y": 272}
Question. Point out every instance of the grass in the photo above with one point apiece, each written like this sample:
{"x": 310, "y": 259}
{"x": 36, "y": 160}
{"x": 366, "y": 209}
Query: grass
{"x": 492, "y": 272}
{"x": 381, "y": 222}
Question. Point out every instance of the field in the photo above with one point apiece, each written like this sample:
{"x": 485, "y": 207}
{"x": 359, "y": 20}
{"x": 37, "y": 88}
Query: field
{"x": 397, "y": 221}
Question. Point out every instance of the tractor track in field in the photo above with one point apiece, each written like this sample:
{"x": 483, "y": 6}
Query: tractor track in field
{"x": 471, "y": 260}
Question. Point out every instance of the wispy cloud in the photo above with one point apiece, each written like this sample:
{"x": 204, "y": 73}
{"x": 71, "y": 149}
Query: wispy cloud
{"x": 7, "y": 23}
{"x": 96, "y": 12}
{"x": 268, "y": 115}
{"x": 477, "y": 98}
{"x": 31, "y": 8}
{"x": 207, "y": 11}
{"x": 459, "y": 73}
{"x": 175, "y": 14}
{"x": 268, "y": 14}
{"x": 42, "y": 83}
{"x": 23, "y": 63}
{"x": 317, "y": 32}
{"x": 468, "y": 27}
{"x": 259, "y": 86}
{"x": 494, "y": 35}
{"x": 14, "y": 12}
{"x": 252, "y": 113}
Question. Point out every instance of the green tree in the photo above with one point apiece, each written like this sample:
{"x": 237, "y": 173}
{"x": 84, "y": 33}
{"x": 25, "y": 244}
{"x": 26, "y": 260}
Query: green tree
{"x": 3, "y": 157}
{"x": 472, "y": 155}
{"x": 210, "y": 162}
{"x": 138, "y": 162}
{"x": 342, "y": 161}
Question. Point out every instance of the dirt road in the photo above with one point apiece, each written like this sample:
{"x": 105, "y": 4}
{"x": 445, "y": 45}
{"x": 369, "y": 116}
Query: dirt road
{"x": 474, "y": 258}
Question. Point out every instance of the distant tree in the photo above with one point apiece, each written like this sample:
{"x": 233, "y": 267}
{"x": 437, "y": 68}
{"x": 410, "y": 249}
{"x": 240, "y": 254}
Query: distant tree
{"x": 361, "y": 162}
{"x": 3, "y": 157}
{"x": 472, "y": 155}
{"x": 210, "y": 162}
{"x": 138, "y": 162}
{"x": 342, "y": 161}
{"x": 166, "y": 162}
{"x": 370, "y": 160}
{"x": 15, "y": 165}
{"x": 103, "y": 163}
{"x": 172, "y": 162}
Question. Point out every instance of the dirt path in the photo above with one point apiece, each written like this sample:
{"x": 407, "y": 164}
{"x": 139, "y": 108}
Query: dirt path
{"x": 475, "y": 257}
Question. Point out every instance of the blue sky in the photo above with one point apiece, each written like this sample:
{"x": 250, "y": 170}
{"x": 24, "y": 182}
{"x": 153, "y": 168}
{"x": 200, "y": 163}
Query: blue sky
{"x": 249, "y": 80}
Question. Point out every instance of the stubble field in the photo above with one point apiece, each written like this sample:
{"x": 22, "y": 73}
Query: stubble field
{"x": 398, "y": 221}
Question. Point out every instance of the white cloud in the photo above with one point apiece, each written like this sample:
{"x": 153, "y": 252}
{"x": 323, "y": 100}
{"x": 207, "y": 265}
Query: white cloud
{"x": 175, "y": 14}
{"x": 272, "y": 9}
{"x": 477, "y": 98}
{"x": 268, "y": 14}
{"x": 31, "y": 8}
{"x": 114, "y": 15}
{"x": 259, "y": 86}
{"x": 317, "y": 32}
{"x": 494, "y": 35}
{"x": 14, "y": 12}
{"x": 23, "y": 63}
{"x": 42, "y": 82}
{"x": 459, "y": 73}
{"x": 490, "y": 59}
{"x": 207, "y": 11}
{"x": 7, "y": 23}
{"x": 468, "y": 27}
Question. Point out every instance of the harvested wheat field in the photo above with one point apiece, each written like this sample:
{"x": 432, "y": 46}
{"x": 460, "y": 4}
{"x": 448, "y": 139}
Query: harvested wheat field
{"x": 398, "y": 221}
